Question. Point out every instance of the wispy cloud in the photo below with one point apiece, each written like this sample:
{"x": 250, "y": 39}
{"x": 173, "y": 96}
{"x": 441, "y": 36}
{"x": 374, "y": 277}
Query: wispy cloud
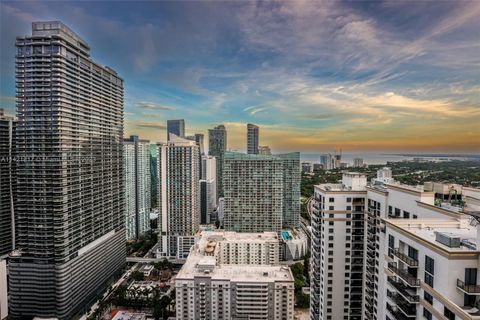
{"x": 149, "y": 125}
{"x": 153, "y": 106}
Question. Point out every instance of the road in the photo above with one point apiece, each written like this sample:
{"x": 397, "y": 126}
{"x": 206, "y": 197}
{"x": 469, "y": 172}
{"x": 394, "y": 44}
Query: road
{"x": 148, "y": 260}
{"x": 107, "y": 294}
{"x": 124, "y": 277}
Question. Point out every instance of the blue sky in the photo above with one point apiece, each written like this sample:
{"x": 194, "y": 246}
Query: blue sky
{"x": 314, "y": 75}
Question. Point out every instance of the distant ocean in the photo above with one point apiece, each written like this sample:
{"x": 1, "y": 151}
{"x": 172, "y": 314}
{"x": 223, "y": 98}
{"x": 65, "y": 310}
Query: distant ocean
{"x": 381, "y": 158}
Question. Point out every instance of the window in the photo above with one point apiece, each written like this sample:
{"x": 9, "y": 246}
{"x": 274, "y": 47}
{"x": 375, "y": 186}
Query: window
{"x": 429, "y": 279}
{"x": 429, "y": 265}
{"x": 349, "y": 199}
{"x": 406, "y": 214}
{"x": 331, "y": 199}
{"x": 331, "y": 208}
{"x": 449, "y": 314}
{"x": 427, "y": 314}
{"x": 413, "y": 253}
{"x": 428, "y": 297}
{"x": 349, "y": 208}
{"x": 397, "y": 212}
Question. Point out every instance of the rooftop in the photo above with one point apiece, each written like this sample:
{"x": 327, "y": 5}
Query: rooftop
{"x": 202, "y": 261}
{"x": 427, "y": 229}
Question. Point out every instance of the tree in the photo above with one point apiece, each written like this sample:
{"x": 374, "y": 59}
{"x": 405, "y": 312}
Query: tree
{"x": 137, "y": 275}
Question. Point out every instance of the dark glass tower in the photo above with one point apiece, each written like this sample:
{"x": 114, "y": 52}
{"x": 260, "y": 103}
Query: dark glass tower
{"x": 217, "y": 145}
{"x": 70, "y": 208}
{"x": 177, "y": 127}
{"x": 252, "y": 139}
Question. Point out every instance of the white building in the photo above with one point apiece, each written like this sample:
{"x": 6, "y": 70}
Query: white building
{"x": 399, "y": 248}
{"x": 3, "y": 290}
{"x": 338, "y": 244}
{"x": 178, "y": 195}
{"x": 211, "y": 285}
{"x": 384, "y": 175}
{"x": 136, "y": 158}
{"x": 208, "y": 186}
{"x": 358, "y": 163}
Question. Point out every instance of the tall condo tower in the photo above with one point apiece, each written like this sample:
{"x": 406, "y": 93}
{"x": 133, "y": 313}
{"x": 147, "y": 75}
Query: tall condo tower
{"x": 70, "y": 220}
{"x": 176, "y": 127}
{"x": 136, "y": 157}
{"x": 252, "y": 139}
{"x": 178, "y": 194}
{"x": 217, "y": 145}
{"x": 257, "y": 189}
{"x": 7, "y": 183}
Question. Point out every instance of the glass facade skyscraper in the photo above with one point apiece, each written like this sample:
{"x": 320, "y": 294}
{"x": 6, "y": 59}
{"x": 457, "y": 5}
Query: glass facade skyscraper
{"x": 70, "y": 221}
{"x": 177, "y": 127}
{"x": 136, "y": 157}
{"x": 252, "y": 139}
{"x": 257, "y": 189}
{"x": 217, "y": 145}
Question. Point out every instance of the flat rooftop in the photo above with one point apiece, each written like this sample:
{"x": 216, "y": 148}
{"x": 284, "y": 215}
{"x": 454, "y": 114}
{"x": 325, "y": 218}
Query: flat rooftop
{"x": 426, "y": 230}
{"x": 236, "y": 273}
{"x": 202, "y": 262}
{"x": 332, "y": 187}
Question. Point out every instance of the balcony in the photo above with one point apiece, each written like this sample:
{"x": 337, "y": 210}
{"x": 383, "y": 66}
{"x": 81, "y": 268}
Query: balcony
{"x": 470, "y": 289}
{"x": 408, "y": 310}
{"x": 406, "y": 292}
{"x": 396, "y": 313}
{"x": 404, "y": 275}
{"x": 408, "y": 260}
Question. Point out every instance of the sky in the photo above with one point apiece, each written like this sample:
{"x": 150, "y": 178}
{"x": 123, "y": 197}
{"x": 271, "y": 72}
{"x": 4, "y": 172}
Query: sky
{"x": 364, "y": 76}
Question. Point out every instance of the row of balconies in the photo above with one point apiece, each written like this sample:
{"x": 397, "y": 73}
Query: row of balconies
{"x": 404, "y": 275}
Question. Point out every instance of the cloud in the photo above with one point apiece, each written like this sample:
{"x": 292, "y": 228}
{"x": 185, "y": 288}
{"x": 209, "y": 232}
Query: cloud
{"x": 153, "y": 106}
{"x": 149, "y": 125}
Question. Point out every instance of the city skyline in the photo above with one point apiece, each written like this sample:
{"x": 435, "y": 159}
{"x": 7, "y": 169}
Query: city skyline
{"x": 313, "y": 76}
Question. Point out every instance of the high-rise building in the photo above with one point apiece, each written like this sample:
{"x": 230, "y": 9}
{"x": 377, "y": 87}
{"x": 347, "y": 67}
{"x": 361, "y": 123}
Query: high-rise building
{"x": 217, "y": 145}
{"x": 176, "y": 127}
{"x": 234, "y": 276}
{"x": 208, "y": 188}
{"x": 328, "y": 161}
{"x": 3, "y": 290}
{"x": 70, "y": 221}
{"x": 358, "y": 163}
{"x": 393, "y": 242}
{"x": 178, "y": 195}
{"x": 136, "y": 157}
{"x": 338, "y": 249}
{"x": 291, "y": 189}
{"x": 153, "y": 176}
{"x": 252, "y": 139}
{"x": 253, "y": 192}
{"x": 8, "y": 183}
{"x": 261, "y": 192}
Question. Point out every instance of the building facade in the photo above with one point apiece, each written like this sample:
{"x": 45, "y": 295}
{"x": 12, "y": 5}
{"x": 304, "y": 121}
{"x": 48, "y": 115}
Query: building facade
{"x": 338, "y": 239}
{"x": 8, "y": 182}
{"x": 234, "y": 276}
{"x": 217, "y": 145}
{"x": 178, "y": 194}
{"x": 410, "y": 241}
{"x": 137, "y": 177}
{"x": 70, "y": 221}
{"x": 208, "y": 186}
{"x": 252, "y": 139}
{"x": 261, "y": 193}
{"x": 253, "y": 192}
{"x": 176, "y": 127}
